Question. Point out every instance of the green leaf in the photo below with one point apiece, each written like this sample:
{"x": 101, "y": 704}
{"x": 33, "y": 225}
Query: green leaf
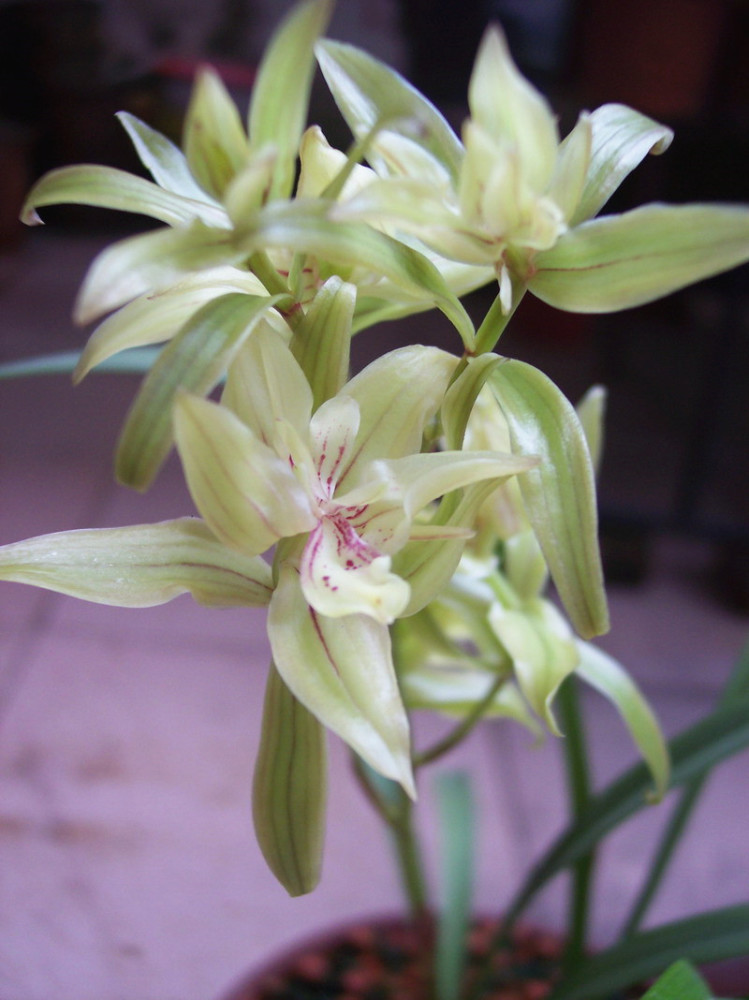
{"x": 214, "y": 140}
{"x": 165, "y": 162}
{"x": 693, "y": 753}
{"x": 322, "y": 341}
{"x": 64, "y": 363}
{"x": 108, "y": 187}
{"x": 679, "y": 982}
{"x": 280, "y": 96}
{"x": 559, "y": 494}
{"x": 621, "y": 139}
{"x": 151, "y": 262}
{"x": 708, "y": 937}
{"x": 289, "y": 791}
{"x": 457, "y": 829}
{"x": 194, "y": 360}
{"x": 370, "y": 94}
{"x": 139, "y": 566}
{"x": 619, "y": 261}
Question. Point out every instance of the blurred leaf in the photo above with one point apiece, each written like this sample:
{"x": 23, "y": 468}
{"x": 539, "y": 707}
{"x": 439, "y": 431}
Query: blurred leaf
{"x": 693, "y": 753}
{"x": 64, "y": 363}
{"x": 708, "y": 937}
{"x": 457, "y": 830}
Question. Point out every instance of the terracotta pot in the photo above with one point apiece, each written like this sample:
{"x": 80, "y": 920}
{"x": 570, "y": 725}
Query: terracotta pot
{"x": 389, "y": 960}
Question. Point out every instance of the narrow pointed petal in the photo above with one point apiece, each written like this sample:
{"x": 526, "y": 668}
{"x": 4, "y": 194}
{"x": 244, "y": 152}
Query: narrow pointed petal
{"x": 153, "y": 319}
{"x": 280, "y": 96}
{"x": 248, "y": 190}
{"x": 150, "y": 262}
{"x": 248, "y": 496}
{"x": 620, "y": 261}
{"x": 423, "y": 478}
{"x": 542, "y": 654}
{"x": 559, "y": 494}
{"x": 322, "y": 341}
{"x": 342, "y": 670}
{"x": 510, "y": 109}
{"x": 603, "y": 673}
{"x": 289, "y": 791}
{"x": 139, "y": 566}
{"x": 397, "y": 394}
{"x": 266, "y": 388}
{"x": 572, "y": 168}
{"x": 109, "y": 187}
{"x": 591, "y": 411}
{"x": 341, "y": 574}
{"x": 166, "y": 162}
{"x": 368, "y": 93}
{"x": 194, "y": 360}
{"x": 621, "y": 138}
{"x": 214, "y": 140}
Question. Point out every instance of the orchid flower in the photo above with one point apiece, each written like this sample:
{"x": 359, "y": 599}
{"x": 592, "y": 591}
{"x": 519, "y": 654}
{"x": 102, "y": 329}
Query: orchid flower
{"x": 338, "y": 492}
{"x": 513, "y": 198}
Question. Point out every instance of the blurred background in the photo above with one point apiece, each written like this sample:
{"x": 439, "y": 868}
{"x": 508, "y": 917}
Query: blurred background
{"x": 127, "y": 863}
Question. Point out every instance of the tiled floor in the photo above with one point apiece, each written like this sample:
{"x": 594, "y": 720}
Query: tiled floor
{"x": 128, "y": 869}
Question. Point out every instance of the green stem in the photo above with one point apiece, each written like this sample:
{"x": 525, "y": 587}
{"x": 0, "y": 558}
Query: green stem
{"x": 496, "y": 320}
{"x": 459, "y": 733}
{"x": 396, "y": 810}
{"x": 578, "y": 784}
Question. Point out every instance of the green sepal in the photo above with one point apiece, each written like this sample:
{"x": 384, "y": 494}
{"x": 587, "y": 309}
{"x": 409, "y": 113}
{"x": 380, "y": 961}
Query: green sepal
{"x": 151, "y": 262}
{"x": 370, "y": 95}
{"x": 603, "y": 673}
{"x": 322, "y": 341}
{"x": 214, "y": 139}
{"x": 618, "y": 261}
{"x": 559, "y": 494}
{"x": 109, "y": 187}
{"x": 165, "y": 162}
{"x": 195, "y": 360}
{"x": 139, "y": 566}
{"x": 621, "y": 139}
{"x": 280, "y": 95}
{"x": 289, "y": 791}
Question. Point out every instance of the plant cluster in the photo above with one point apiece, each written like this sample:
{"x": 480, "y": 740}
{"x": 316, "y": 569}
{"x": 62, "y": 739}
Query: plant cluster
{"x": 399, "y": 525}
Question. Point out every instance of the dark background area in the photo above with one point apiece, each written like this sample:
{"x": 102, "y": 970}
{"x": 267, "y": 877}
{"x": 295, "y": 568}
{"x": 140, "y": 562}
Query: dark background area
{"x": 677, "y": 370}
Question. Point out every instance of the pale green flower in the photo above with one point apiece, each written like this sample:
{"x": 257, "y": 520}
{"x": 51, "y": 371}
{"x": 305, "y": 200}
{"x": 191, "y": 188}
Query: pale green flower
{"x": 513, "y": 198}
{"x": 338, "y": 491}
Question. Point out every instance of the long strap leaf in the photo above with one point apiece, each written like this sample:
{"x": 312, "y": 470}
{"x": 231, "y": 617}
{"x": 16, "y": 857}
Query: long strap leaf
{"x": 708, "y": 937}
{"x": 693, "y": 753}
{"x": 737, "y": 686}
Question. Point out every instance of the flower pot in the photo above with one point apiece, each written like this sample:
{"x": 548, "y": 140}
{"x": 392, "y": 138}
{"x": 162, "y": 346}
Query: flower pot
{"x": 390, "y": 960}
